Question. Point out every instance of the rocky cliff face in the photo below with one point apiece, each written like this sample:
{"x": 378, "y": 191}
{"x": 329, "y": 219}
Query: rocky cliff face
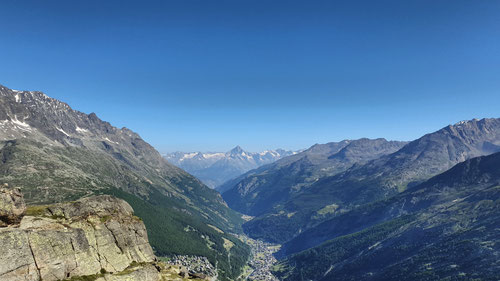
{"x": 97, "y": 237}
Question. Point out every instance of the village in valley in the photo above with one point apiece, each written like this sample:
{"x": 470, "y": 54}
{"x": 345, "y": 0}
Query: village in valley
{"x": 261, "y": 260}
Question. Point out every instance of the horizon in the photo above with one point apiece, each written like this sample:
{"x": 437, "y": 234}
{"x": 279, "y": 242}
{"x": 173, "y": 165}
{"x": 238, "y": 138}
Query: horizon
{"x": 163, "y": 153}
{"x": 196, "y": 76}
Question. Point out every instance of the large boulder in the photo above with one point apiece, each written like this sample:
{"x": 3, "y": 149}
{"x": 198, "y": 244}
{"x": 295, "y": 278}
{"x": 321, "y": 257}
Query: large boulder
{"x": 94, "y": 238}
{"x": 12, "y": 206}
{"x": 81, "y": 238}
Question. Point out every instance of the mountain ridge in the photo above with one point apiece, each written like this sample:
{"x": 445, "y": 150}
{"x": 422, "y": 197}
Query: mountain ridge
{"x": 376, "y": 179}
{"x": 300, "y": 171}
{"x": 215, "y": 168}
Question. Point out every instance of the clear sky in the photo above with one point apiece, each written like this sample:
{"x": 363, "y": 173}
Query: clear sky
{"x": 208, "y": 75}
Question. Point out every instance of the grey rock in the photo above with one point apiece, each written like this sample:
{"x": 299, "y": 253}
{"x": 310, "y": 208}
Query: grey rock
{"x": 12, "y": 206}
{"x": 80, "y": 238}
{"x": 140, "y": 273}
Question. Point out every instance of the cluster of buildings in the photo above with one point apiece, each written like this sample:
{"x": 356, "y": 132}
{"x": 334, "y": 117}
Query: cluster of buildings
{"x": 195, "y": 265}
{"x": 262, "y": 259}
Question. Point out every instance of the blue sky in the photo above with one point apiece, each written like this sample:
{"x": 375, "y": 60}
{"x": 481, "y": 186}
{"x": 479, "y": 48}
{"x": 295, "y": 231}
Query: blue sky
{"x": 208, "y": 75}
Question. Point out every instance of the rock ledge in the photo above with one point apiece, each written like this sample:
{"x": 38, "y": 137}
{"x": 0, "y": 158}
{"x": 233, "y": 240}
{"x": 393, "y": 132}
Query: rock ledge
{"x": 96, "y": 237}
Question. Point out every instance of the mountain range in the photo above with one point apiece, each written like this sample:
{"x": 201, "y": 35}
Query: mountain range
{"x": 56, "y": 154}
{"x": 289, "y": 199}
{"x": 443, "y": 229}
{"x": 364, "y": 209}
{"x": 215, "y": 168}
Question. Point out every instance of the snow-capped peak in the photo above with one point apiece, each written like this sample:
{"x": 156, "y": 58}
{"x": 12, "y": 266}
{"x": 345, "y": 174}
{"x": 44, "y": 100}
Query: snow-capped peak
{"x": 214, "y": 168}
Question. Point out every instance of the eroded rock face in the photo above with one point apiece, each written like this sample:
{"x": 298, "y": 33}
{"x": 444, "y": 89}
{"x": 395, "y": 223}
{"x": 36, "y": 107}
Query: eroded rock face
{"x": 86, "y": 237}
{"x": 12, "y": 206}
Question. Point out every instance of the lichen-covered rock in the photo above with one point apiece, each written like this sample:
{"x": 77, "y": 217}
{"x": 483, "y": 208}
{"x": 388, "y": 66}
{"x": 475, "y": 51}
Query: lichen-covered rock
{"x": 146, "y": 272}
{"x": 97, "y": 206}
{"x": 95, "y": 238}
{"x": 16, "y": 260}
{"x": 149, "y": 272}
{"x": 74, "y": 239}
{"x": 12, "y": 206}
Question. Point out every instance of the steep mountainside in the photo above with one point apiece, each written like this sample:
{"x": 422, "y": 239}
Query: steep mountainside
{"x": 216, "y": 168}
{"x": 55, "y": 154}
{"x": 260, "y": 190}
{"x": 443, "y": 229}
{"x": 378, "y": 179}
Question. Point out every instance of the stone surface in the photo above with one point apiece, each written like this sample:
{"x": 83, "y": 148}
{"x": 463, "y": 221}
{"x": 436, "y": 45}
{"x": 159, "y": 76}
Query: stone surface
{"x": 87, "y": 237}
{"x": 144, "y": 273}
{"x": 16, "y": 261}
{"x": 12, "y": 206}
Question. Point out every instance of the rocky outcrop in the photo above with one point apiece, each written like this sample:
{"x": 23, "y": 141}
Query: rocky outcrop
{"x": 12, "y": 205}
{"x": 95, "y": 237}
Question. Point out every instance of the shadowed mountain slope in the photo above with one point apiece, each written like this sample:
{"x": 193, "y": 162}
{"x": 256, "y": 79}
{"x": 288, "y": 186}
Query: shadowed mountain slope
{"x": 443, "y": 229}
{"x": 377, "y": 179}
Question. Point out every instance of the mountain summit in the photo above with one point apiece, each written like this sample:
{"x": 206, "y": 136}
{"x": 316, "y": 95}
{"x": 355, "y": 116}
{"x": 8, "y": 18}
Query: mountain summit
{"x": 236, "y": 151}
{"x": 215, "y": 168}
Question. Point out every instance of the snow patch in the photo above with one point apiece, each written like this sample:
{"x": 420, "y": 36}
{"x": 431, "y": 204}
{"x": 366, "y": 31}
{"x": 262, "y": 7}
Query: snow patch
{"x": 62, "y": 131}
{"x": 213, "y": 155}
{"x": 106, "y": 138}
{"x": 80, "y": 130}
{"x": 188, "y": 156}
{"x": 20, "y": 123}
{"x": 466, "y": 122}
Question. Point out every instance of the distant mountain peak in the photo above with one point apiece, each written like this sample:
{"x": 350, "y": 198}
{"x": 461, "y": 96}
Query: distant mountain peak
{"x": 215, "y": 168}
{"x": 463, "y": 122}
{"x": 236, "y": 150}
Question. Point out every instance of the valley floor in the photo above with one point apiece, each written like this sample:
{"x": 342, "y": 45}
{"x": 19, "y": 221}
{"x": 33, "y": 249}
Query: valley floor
{"x": 261, "y": 260}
